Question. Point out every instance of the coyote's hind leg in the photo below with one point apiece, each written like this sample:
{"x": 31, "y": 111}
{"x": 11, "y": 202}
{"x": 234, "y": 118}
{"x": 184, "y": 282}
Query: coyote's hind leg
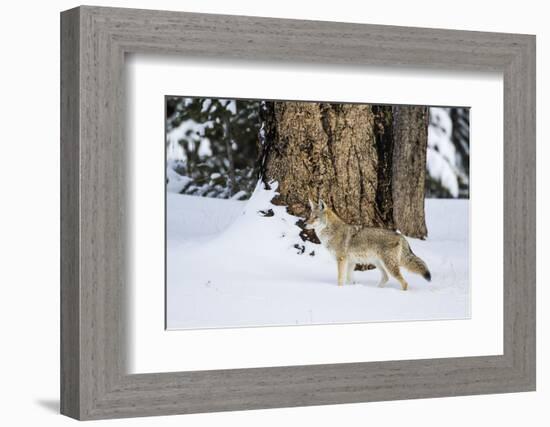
{"x": 383, "y": 274}
{"x": 393, "y": 269}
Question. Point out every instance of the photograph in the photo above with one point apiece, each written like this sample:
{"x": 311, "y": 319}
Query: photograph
{"x": 291, "y": 212}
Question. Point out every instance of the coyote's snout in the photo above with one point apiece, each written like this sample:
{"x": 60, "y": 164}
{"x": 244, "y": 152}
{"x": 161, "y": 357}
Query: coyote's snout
{"x": 351, "y": 245}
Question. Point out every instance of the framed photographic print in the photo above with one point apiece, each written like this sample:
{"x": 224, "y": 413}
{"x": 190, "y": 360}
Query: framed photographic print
{"x": 271, "y": 205}
{"x": 262, "y": 213}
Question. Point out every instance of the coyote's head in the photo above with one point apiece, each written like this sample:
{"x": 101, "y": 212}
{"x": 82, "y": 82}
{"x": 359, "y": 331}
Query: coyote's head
{"x": 318, "y": 216}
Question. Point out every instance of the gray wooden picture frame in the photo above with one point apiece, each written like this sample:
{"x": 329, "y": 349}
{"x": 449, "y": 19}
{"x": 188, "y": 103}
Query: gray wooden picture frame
{"x": 94, "y": 381}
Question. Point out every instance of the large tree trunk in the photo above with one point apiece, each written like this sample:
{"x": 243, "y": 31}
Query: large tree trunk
{"x": 341, "y": 153}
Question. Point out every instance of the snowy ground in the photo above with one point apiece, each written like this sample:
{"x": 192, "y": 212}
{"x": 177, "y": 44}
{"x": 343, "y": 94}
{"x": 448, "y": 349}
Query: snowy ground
{"x": 228, "y": 266}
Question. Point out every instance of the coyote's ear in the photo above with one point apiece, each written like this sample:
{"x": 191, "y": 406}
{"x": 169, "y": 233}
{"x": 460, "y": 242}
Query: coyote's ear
{"x": 311, "y": 205}
{"x": 322, "y": 205}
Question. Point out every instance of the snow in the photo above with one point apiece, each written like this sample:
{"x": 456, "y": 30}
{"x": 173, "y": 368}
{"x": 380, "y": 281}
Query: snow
{"x": 231, "y": 106}
{"x": 194, "y": 133}
{"x": 192, "y": 219}
{"x": 230, "y": 266}
{"x": 239, "y": 195}
{"x": 176, "y": 182}
{"x": 206, "y": 104}
{"x": 441, "y": 154}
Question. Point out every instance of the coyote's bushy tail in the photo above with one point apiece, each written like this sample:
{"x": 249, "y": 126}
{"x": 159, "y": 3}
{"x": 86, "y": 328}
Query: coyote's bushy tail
{"x": 413, "y": 263}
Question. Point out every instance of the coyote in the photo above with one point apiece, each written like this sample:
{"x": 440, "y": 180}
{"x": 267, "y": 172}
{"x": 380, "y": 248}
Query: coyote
{"x": 387, "y": 250}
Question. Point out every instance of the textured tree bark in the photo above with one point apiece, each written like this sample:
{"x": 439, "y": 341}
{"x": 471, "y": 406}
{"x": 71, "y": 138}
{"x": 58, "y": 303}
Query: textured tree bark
{"x": 324, "y": 151}
{"x": 341, "y": 153}
{"x": 410, "y": 127}
{"x": 383, "y": 129}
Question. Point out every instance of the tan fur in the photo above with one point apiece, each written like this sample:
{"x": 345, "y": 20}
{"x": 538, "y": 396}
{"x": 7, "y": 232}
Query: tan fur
{"x": 351, "y": 245}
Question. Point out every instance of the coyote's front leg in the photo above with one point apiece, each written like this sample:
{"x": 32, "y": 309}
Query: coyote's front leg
{"x": 342, "y": 269}
{"x": 349, "y": 274}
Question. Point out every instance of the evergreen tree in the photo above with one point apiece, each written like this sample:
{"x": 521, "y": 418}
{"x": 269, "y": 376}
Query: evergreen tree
{"x": 214, "y": 143}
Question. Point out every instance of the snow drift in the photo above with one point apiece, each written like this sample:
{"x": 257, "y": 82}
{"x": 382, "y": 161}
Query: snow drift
{"x": 233, "y": 264}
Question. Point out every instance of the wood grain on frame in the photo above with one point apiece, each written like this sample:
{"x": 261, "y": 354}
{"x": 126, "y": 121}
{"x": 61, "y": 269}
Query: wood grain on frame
{"x": 94, "y": 270}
